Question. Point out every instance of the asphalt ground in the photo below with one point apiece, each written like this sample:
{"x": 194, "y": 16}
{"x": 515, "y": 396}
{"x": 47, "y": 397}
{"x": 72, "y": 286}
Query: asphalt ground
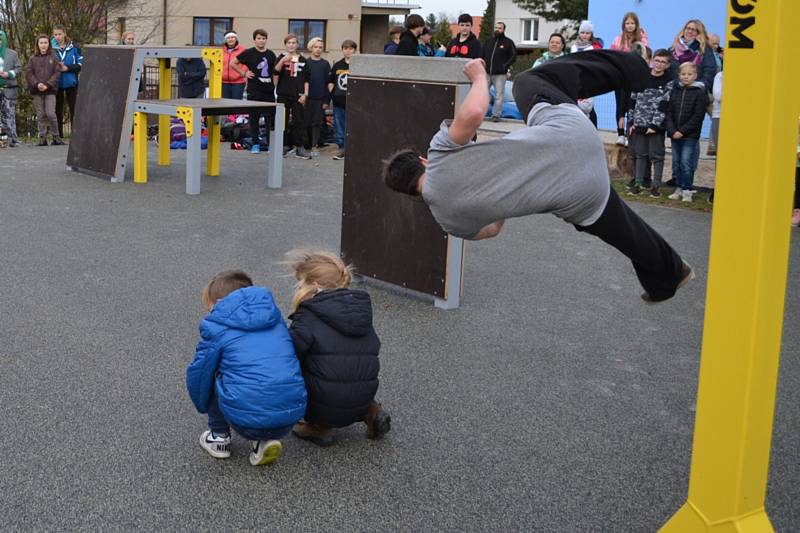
{"x": 553, "y": 400}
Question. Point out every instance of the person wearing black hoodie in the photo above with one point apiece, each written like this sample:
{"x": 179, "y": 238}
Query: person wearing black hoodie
{"x": 337, "y": 347}
{"x": 499, "y": 53}
{"x": 409, "y": 43}
{"x": 465, "y": 44}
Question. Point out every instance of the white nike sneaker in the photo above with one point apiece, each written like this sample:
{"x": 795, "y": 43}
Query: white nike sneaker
{"x": 217, "y": 447}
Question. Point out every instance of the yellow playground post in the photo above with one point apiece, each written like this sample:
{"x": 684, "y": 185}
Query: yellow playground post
{"x": 214, "y": 57}
{"x": 164, "y": 93}
{"x": 748, "y": 266}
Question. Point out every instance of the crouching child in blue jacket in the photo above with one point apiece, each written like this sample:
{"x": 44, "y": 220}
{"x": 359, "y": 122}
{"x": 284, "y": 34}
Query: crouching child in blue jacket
{"x": 245, "y": 373}
{"x": 337, "y": 347}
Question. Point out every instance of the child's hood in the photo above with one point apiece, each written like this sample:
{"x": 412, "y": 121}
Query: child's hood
{"x": 347, "y": 311}
{"x": 247, "y": 309}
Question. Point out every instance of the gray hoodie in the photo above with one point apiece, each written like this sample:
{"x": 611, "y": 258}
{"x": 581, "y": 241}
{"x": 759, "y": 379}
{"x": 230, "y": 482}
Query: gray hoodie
{"x": 9, "y": 62}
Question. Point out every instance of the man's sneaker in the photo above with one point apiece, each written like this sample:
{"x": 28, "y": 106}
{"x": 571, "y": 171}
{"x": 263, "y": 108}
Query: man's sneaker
{"x": 687, "y": 275}
{"x": 256, "y": 149}
{"x": 622, "y": 141}
{"x": 687, "y": 196}
{"x": 495, "y": 119}
{"x": 288, "y": 150}
{"x": 302, "y": 153}
{"x": 677, "y": 195}
{"x": 217, "y": 446}
{"x": 339, "y": 155}
{"x": 635, "y": 190}
{"x": 265, "y": 452}
{"x": 655, "y": 193}
{"x": 630, "y": 183}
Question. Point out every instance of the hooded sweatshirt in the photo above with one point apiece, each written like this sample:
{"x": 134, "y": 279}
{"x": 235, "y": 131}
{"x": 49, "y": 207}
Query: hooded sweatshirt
{"x": 470, "y": 48}
{"x": 9, "y": 63}
{"x": 338, "y": 350}
{"x": 246, "y": 354}
{"x": 499, "y": 53}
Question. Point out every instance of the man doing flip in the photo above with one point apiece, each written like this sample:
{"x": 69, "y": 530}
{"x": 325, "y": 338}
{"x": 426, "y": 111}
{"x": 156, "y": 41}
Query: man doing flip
{"x": 557, "y": 164}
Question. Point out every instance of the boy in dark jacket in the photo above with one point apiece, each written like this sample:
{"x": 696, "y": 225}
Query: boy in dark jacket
{"x": 293, "y": 87}
{"x": 465, "y": 44}
{"x": 648, "y": 109}
{"x": 245, "y": 373}
{"x": 337, "y": 86}
{"x": 191, "y": 73}
{"x": 499, "y": 53}
{"x": 685, "y": 113}
{"x": 338, "y": 350}
{"x": 409, "y": 43}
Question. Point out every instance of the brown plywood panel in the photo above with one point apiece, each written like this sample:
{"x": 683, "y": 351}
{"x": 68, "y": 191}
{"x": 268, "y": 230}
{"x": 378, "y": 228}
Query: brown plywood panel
{"x": 100, "y": 110}
{"x": 387, "y": 235}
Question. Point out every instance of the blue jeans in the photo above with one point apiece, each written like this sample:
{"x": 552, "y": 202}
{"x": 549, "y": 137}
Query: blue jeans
{"x": 220, "y": 426}
{"x": 339, "y": 122}
{"x": 233, "y": 90}
{"x": 685, "y": 154}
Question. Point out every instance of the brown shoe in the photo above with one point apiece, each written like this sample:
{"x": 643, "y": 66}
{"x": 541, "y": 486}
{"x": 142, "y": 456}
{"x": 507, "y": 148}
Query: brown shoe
{"x": 688, "y": 275}
{"x": 378, "y": 421}
{"x": 315, "y": 434}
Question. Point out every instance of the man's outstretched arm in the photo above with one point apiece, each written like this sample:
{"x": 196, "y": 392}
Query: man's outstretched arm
{"x": 470, "y": 115}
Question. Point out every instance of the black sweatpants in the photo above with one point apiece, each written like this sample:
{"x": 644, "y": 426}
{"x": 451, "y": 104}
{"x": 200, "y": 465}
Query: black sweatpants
{"x": 658, "y": 267}
{"x": 70, "y": 96}
{"x": 564, "y": 80}
{"x": 255, "y": 118}
{"x": 584, "y": 75}
{"x": 295, "y": 122}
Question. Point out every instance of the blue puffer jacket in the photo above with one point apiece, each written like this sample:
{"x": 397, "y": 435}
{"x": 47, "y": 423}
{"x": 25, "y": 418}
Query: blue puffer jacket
{"x": 247, "y": 353}
{"x": 71, "y": 56}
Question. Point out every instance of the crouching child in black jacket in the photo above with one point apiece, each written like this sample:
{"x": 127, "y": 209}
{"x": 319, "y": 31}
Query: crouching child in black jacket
{"x": 337, "y": 348}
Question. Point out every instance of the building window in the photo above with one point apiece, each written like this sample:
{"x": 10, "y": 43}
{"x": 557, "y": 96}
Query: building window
{"x": 306, "y": 30}
{"x": 530, "y": 30}
{"x": 210, "y": 31}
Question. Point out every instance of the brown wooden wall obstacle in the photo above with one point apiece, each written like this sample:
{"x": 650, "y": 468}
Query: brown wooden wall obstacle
{"x": 397, "y": 102}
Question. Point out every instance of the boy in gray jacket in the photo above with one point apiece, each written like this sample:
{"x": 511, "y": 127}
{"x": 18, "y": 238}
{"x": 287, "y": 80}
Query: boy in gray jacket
{"x": 646, "y": 116}
{"x": 10, "y": 70}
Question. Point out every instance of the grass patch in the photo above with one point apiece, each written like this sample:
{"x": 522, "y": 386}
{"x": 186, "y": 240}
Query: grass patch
{"x": 700, "y": 202}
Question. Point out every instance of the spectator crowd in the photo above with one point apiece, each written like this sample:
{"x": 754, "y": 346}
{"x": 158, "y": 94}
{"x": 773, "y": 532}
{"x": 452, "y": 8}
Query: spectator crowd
{"x": 685, "y": 84}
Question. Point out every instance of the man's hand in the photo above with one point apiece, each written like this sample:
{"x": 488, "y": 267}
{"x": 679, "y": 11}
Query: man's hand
{"x": 475, "y": 70}
{"x": 487, "y": 232}
{"x": 677, "y": 135}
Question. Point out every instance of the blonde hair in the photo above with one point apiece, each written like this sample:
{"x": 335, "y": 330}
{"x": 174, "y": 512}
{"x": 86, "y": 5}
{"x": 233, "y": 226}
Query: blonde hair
{"x": 688, "y": 64}
{"x": 702, "y": 35}
{"x": 316, "y": 271}
{"x": 314, "y": 41}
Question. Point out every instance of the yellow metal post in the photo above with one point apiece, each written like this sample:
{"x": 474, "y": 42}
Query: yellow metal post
{"x": 214, "y": 57}
{"x": 139, "y": 148}
{"x": 747, "y": 276}
{"x": 186, "y": 114}
{"x": 164, "y": 93}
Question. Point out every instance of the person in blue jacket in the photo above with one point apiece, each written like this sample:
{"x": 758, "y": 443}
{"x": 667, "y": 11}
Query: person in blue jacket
{"x": 70, "y": 61}
{"x": 245, "y": 374}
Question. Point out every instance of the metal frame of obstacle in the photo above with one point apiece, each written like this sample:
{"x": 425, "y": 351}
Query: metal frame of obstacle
{"x": 165, "y": 107}
{"x": 389, "y": 73}
{"x": 748, "y": 268}
{"x": 190, "y": 110}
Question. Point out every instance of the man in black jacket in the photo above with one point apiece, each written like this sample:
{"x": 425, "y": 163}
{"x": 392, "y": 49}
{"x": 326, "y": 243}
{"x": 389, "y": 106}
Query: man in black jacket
{"x": 465, "y": 44}
{"x": 499, "y": 53}
{"x": 409, "y": 44}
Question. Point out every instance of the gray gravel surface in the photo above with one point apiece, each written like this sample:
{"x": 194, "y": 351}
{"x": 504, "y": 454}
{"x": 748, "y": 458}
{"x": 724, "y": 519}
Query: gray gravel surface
{"x": 553, "y": 400}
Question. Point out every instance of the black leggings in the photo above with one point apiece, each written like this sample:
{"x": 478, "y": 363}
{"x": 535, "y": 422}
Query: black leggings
{"x": 658, "y": 267}
{"x": 296, "y": 123}
{"x": 70, "y": 96}
{"x": 584, "y": 75}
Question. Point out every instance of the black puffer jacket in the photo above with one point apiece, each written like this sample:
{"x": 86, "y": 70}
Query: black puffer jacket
{"x": 686, "y": 110}
{"x": 338, "y": 352}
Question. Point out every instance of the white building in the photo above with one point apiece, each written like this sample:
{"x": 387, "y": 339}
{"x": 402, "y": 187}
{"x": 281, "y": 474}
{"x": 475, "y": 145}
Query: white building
{"x": 528, "y": 31}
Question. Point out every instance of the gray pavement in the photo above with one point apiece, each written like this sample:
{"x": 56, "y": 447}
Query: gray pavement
{"x": 553, "y": 400}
